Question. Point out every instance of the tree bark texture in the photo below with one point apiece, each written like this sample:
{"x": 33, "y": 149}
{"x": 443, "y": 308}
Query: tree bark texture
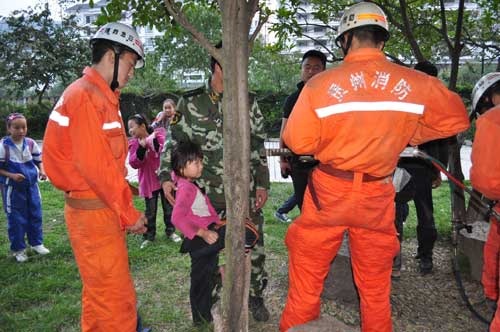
{"x": 457, "y": 195}
{"x": 235, "y": 26}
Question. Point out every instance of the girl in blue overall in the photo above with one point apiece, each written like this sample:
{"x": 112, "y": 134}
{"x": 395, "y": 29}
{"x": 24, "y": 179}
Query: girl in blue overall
{"x": 20, "y": 168}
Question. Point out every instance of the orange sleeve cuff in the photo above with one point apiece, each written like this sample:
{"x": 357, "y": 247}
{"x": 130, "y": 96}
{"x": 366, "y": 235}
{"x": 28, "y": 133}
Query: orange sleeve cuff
{"x": 129, "y": 218}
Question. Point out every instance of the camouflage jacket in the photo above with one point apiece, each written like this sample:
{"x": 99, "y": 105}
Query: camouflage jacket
{"x": 199, "y": 118}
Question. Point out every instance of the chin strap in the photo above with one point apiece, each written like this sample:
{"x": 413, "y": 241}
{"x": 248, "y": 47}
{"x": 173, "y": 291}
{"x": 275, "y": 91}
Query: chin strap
{"x": 347, "y": 44}
{"x": 114, "y": 83}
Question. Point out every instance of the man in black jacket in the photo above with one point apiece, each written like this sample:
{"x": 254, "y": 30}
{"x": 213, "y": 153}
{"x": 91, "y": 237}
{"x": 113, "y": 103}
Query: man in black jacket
{"x": 313, "y": 62}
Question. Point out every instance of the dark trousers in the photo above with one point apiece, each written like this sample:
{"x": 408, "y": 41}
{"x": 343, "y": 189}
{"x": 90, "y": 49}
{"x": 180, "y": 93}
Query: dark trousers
{"x": 299, "y": 179}
{"x": 288, "y": 205}
{"x": 402, "y": 211}
{"x": 151, "y": 211}
{"x": 203, "y": 283}
{"x": 426, "y": 228}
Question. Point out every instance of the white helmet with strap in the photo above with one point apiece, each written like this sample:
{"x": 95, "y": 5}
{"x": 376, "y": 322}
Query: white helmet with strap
{"x": 362, "y": 14}
{"x": 481, "y": 87}
{"x": 123, "y": 35}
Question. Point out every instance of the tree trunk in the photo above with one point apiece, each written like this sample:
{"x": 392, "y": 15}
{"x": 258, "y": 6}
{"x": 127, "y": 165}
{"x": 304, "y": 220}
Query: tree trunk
{"x": 457, "y": 196}
{"x": 236, "y": 161}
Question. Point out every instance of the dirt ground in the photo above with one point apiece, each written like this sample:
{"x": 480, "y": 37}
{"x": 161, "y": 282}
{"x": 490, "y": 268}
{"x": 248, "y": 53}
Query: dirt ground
{"x": 430, "y": 303}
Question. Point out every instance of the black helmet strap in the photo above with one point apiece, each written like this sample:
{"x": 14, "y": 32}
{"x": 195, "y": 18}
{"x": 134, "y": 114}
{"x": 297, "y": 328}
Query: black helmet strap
{"x": 114, "y": 83}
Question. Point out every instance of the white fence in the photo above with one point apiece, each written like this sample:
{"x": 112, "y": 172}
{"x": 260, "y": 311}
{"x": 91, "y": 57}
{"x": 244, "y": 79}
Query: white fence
{"x": 275, "y": 172}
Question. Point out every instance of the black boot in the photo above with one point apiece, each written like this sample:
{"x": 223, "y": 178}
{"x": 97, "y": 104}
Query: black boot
{"x": 426, "y": 264}
{"x": 258, "y": 309}
{"x": 426, "y": 238}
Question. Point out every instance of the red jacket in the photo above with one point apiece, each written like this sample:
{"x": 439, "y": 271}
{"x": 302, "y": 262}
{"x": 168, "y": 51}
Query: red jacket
{"x": 85, "y": 145}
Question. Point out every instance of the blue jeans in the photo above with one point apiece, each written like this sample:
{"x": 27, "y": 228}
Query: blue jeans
{"x": 288, "y": 205}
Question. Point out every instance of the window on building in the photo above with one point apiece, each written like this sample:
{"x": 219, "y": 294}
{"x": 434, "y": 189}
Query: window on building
{"x": 319, "y": 29}
{"x": 320, "y": 42}
{"x": 149, "y": 42}
{"x": 302, "y": 43}
{"x": 89, "y": 19}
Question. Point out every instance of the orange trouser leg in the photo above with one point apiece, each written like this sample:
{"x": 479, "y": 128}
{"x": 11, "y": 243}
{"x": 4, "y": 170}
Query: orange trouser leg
{"x": 490, "y": 262}
{"x": 310, "y": 250}
{"x": 372, "y": 253}
{"x": 108, "y": 296}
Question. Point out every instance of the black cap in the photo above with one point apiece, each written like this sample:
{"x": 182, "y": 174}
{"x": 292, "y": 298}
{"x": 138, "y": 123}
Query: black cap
{"x": 315, "y": 54}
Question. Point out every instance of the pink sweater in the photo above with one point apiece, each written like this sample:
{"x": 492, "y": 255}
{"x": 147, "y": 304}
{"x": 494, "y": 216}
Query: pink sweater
{"x": 192, "y": 209}
{"x": 148, "y": 178}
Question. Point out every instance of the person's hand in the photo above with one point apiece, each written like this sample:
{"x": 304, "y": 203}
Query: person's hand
{"x": 42, "y": 176}
{"x": 209, "y": 236}
{"x": 285, "y": 168}
{"x": 160, "y": 117}
{"x": 260, "y": 198}
{"x": 18, "y": 177}
{"x": 139, "y": 227}
{"x": 437, "y": 182}
{"x": 142, "y": 142}
{"x": 168, "y": 189}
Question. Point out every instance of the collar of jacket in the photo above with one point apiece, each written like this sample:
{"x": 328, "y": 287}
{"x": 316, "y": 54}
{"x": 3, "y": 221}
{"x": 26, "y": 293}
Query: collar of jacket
{"x": 214, "y": 96}
{"x": 93, "y": 76}
{"x": 300, "y": 85}
{"x": 364, "y": 54}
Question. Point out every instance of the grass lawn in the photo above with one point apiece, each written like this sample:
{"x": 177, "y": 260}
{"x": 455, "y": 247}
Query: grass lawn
{"x": 43, "y": 294}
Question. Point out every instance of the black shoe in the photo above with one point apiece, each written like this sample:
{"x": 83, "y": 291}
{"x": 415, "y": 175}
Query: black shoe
{"x": 425, "y": 265}
{"x": 258, "y": 309}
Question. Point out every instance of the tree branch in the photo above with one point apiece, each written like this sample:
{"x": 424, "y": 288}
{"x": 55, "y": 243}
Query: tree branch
{"x": 444, "y": 28}
{"x": 180, "y": 18}
{"x": 262, "y": 20}
{"x": 395, "y": 59}
{"x": 334, "y": 57}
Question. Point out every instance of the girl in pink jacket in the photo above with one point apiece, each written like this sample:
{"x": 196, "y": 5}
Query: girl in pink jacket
{"x": 196, "y": 218}
{"x": 144, "y": 155}
{"x": 204, "y": 232}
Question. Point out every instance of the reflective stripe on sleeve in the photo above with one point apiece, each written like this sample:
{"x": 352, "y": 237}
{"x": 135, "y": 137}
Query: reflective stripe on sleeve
{"x": 395, "y": 106}
{"x": 60, "y": 119}
{"x": 111, "y": 125}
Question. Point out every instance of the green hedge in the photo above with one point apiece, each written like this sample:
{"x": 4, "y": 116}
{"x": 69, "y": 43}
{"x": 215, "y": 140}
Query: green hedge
{"x": 37, "y": 116}
{"x": 271, "y": 105}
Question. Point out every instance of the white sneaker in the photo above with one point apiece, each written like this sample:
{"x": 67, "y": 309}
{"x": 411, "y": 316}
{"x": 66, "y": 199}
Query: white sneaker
{"x": 20, "y": 256}
{"x": 145, "y": 243}
{"x": 176, "y": 238}
{"x": 40, "y": 249}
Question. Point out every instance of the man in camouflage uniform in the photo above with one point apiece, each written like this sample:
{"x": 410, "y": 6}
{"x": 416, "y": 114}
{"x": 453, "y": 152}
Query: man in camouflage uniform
{"x": 199, "y": 118}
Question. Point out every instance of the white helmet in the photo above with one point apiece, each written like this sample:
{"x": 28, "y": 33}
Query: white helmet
{"x": 124, "y": 35}
{"x": 484, "y": 83}
{"x": 362, "y": 14}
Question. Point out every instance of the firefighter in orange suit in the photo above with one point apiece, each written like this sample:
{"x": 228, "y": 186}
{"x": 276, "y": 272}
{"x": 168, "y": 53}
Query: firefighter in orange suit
{"x": 485, "y": 175}
{"x": 84, "y": 152}
{"x": 356, "y": 119}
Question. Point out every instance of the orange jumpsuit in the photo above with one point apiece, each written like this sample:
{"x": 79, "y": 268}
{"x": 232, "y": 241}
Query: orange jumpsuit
{"x": 485, "y": 177}
{"x": 358, "y": 117}
{"x": 85, "y": 147}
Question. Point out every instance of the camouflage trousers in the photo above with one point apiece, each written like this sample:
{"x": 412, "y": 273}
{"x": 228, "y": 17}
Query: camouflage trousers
{"x": 258, "y": 277}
